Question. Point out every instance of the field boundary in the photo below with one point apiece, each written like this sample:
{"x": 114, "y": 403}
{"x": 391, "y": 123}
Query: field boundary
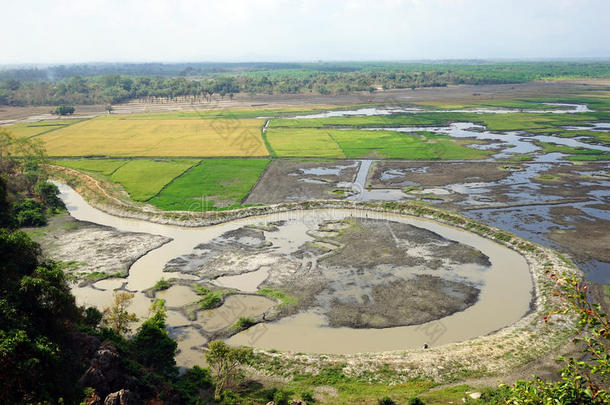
{"x": 58, "y": 127}
{"x": 241, "y": 202}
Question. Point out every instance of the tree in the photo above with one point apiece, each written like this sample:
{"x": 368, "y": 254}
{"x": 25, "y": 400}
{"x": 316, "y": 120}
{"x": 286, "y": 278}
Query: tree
{"x": 225, "y": 362}
{"x": 48, "y": 193}
{"x": 64, "y": 110}
{"x": 36, "y": 314}
{"x": 152, "y": 345}
{"x": 117, "y": 317}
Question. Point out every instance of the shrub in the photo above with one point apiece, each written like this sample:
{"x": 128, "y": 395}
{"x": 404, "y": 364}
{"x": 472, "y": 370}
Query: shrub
{"x": 307, "y": 396}
{"x": 386, "y": 401}
{"x": 29, "y": 213}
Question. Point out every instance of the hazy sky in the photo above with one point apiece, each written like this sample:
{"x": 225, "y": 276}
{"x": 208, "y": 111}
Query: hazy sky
{"x": 47, "y": 31}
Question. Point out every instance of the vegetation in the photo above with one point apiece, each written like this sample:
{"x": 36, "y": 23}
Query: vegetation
{"x": 210, "y": 298}
{"x": 582, "y": 381}
{"x": 282, "y": 297}
{"x": 224, "y": 362}
{"x": 212, "y": 185}
{"x": 117, "y": 317}
{"x": 152, "y": 345}
{"x": 89, "y": 84}
{"x": 29, "y": 130}
{"x": 243, "y": 323}
{"x": 143, "y": 179}
{"x": 575, "y": 152}
{"x": 119, "y": 136}
{"x": 64, "y": 110}
{"x": 103, "y": 166}
{"x": 303, "y": 142}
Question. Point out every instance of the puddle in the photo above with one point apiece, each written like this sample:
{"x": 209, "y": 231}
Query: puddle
{"x": 234, "y": 307}
{"x": 247, "y": 282}
{"x": 569, "y": 109}
{"x": 178, "y": 296}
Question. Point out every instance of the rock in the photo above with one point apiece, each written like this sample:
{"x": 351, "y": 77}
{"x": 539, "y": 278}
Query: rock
{"x": 297, "y": 402}
{"x": 475, "y": 395}
{"x": 104, "y": 372}
{"x": 121, "y": 397}
{"x": 93, "y": 399}
{"x": 270, "y": 403}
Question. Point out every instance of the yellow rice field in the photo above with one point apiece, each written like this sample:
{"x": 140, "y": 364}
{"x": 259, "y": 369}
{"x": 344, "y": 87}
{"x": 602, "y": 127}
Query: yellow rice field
{"x": 110, "y": 136}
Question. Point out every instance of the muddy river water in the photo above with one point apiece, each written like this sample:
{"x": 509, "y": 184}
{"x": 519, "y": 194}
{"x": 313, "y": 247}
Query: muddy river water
{"x": 505, "y": 296}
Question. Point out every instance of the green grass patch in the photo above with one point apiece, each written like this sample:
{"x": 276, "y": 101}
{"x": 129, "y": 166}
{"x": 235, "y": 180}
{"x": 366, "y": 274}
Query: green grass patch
{"x": 275, "y": 294}
{"x": 103, "y": 166}
{"x": 210, "y": 298}
{"x": 399, "y": 145}
{"x": 577, "y": 154}
{"x": 300, "y": 142}
{"x": 355, "y": 143}
{"x": 242, "y": 323}
{"x": 214, "y": 184}
{"x": 102, "y": 275}
{"x": 145, "y": 178}
{"x": 162, "y": 284}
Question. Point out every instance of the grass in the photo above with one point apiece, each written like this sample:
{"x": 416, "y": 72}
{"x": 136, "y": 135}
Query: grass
{"x": 143, "y": 179}
{"x": 103, "y": 166}
{"x": 576, "y": 154}
{"x": 129, "y": 136}
{"x": 379, "y": 144}
{"x": 300, "y": 142}
{"x": 211, "y": 185}
{"x": 397, "y": 145}
{"x": 274, "y": 293}
{"x": 210, "y": 299}
{"x": 242, "y": 324}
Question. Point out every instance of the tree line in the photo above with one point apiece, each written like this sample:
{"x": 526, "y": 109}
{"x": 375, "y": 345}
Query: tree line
{"x": 31, "y": 87}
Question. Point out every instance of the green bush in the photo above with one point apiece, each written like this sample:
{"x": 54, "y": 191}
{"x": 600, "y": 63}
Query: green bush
{"x": 386, "y": 401}
{"x": 307, "y": 396}
{"x": 29, "y": 213}
{"x": 48, "y": 195}
{"x": 415, "y": 401}
{"x": 243, "y": 323}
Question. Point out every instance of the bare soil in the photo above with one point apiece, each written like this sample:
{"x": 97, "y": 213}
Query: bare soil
{"x": 398, "y": 174}
{"x": 92, "y": 251}
{"x": 296, "y": 180}
{"x": 586, "y": 237}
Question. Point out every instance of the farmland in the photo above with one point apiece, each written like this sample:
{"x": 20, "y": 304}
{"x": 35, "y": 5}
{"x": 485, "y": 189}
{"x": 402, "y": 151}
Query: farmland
{"x": 116, "y": 137}
{"x": 28, "y": 130}
{"x": 144, "y": 178}
{"x": 302, "y": 142}
{"x": 213, "y": 184}
{"x": 102, "y": 166}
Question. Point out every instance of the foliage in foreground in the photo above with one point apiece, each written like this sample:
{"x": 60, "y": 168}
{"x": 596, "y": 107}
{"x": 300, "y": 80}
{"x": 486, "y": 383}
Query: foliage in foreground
{"x": 582, "y": 381}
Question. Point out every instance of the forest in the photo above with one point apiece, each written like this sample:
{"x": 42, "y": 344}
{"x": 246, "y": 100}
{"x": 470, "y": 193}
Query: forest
{"x": 115, "y": 83}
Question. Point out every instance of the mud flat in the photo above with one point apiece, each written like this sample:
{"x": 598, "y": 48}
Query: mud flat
{"x": 92, "y": 252}
{"x": 289, "y": 180}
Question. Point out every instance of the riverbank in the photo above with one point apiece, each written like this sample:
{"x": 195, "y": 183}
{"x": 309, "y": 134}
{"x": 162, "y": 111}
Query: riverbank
{"x": 507, "y": 349}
